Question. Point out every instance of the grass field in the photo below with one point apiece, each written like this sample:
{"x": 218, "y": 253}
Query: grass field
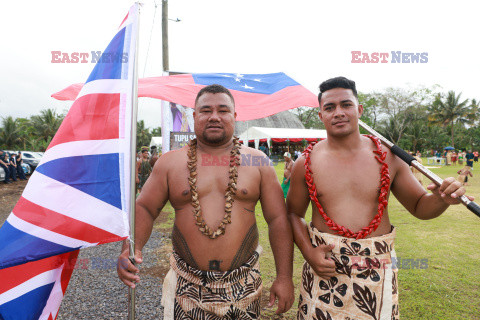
{"x": 445, "y": 284}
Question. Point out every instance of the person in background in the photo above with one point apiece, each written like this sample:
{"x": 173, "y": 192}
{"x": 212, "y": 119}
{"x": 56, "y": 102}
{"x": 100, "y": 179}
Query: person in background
{"x": 469, "y": 158}
{"x": 4, "y": 164}
{"x": 143, "y": 169}
{"x": 475, "y": 156}
{"x": 154, "y": 155}
{"x": 12, "y": 166}
{"x": 18, "y": 161}
{"x": 461, "y": 156}
{"x": 449, "y": 158}
{"x": 298, "y": 153}
{"x": 454, "y": 158}
{"x": 463, "y": 175}
{"x": 263, "y": 148}
{"x": 287, "y": 171}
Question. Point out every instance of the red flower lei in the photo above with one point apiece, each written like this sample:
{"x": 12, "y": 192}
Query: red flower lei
{"x": 382, "y": 198}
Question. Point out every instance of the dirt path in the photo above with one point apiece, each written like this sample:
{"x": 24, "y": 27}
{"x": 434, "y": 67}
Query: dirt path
{"x": 9, "y": 195}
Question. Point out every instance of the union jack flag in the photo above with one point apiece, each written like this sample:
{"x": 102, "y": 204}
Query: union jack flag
{"x": 79, "y": 195}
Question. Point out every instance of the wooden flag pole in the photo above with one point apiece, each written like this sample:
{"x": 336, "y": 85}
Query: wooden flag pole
{"x": 410, "y": 160}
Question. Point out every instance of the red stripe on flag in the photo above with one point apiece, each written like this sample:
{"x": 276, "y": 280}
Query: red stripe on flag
{"x": 14, "y": 276}
{"x": 62, "y": 224}
{"x": 123, "y": 20}
{"x": 68, "y": 270}
{"x": 91, "y": 117}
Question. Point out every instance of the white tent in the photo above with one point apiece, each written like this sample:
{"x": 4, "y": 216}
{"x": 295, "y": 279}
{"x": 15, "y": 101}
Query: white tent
{"x": 156, "y": 141}
{"x": 257, "y": 133}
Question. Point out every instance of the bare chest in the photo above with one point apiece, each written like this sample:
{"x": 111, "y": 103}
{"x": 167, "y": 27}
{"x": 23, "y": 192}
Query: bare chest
{"x": 212, "y": 182}
{"x": 346, "y": 178}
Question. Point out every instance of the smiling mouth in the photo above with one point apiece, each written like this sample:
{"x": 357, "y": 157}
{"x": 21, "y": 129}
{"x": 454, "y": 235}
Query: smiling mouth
{"x": 340, "y": 122}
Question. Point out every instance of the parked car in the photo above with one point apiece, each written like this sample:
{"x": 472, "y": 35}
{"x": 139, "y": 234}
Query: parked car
{"x": 31, "y": 158}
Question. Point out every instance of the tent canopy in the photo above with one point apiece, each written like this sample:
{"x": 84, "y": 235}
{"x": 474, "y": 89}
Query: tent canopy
{"x": 281, "y": 134}
{"x": 156, "y": 141}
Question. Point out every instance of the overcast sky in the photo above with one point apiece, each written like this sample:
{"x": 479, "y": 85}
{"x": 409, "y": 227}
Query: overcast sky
{"x": 310, "y": 41}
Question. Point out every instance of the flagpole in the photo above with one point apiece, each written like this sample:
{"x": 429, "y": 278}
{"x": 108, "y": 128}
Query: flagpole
{"x": 410, "y": 160}
{"x": 133, "y": 158}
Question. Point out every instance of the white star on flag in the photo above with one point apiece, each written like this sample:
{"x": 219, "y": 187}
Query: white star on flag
{"x": 246, "y": 87}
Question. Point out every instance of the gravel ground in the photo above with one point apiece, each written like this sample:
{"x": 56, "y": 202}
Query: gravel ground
{"x": 95, "y": 292}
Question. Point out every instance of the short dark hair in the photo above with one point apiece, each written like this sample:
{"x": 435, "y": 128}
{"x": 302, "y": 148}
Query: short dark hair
{"x": 337, "y": 82}
{"x": 214, "y": 88}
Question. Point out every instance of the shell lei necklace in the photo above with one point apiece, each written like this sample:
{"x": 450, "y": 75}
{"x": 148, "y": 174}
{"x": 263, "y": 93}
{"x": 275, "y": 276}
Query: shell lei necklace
{"x": 229, "y": 192}
{"x": 382, "y": 198}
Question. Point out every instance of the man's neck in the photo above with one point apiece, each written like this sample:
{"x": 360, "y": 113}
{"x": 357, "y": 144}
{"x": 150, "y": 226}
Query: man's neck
{"x": 215, "y": 148}
{"x": 345, "y": 143}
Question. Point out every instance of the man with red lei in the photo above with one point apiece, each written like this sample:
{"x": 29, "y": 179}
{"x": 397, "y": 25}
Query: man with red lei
{"x": 350, "y": 270}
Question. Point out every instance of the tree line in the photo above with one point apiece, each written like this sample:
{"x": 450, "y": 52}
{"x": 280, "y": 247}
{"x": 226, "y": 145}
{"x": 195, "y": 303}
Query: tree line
{"x": 415, "y": 119}
{"x": 420, "y": 119}
{"x": 36, "y": 132}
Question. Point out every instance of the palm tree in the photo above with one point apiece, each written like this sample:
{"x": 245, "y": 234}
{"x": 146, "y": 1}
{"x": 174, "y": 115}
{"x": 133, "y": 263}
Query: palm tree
{"x": 47, "y": 123}
{"x": 416, "y": 133}
{"x": 9, "y": 133}
{"x": 143, "y": 135}
{"x": 450, "y": 111}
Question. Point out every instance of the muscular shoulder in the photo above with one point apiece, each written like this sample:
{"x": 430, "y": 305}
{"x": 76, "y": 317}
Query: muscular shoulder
{"x": 172, "y": 160}
{"x": 254, "y": 158}
{"x": 252, "y": 151}
{"x": 298, "y": 167}
{"x": 395, "y": 164}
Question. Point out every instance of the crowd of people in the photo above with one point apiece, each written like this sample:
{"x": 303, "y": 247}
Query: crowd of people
{"x": 11, "y": 164}
{"x": 452, "y": 157}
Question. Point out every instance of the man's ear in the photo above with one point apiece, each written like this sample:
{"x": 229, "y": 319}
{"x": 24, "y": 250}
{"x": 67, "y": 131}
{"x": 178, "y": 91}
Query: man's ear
{"x": 360, "y": 110}
{"x": 320, "y": 114}
{"x": 235, "y": 114}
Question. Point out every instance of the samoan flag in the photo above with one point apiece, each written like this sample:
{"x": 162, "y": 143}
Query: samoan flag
{"x": 79, "y": 195}
{"x": 256, "y": 95}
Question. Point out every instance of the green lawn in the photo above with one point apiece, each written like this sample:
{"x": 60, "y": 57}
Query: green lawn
{"x": 449, "y": 286}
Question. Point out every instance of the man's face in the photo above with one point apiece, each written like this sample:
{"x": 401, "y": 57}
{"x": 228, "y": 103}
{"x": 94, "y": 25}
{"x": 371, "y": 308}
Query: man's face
{"x": 214, "y": 117}
{"x": 340, "y": 111}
